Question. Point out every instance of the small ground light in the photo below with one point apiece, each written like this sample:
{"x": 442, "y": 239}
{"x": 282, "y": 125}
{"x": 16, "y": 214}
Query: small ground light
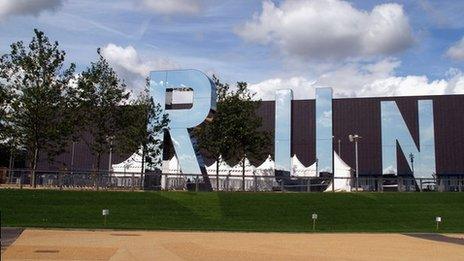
{"x": 105, "y": 213}
{"x": 438, "y": 220}
{"x": 314, "y": 217}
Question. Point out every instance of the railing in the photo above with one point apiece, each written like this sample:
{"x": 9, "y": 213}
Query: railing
{"x": 65, "y": 179}
{"x": 21, "y": 178}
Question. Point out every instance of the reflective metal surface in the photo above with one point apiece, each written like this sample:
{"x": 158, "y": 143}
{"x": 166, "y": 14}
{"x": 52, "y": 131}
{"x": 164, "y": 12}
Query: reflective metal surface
{"x": 204, "y": 99}
{"x": 324, "y": 150}
{"x": 394, "y": 129}
{"x": 283, "y": 120}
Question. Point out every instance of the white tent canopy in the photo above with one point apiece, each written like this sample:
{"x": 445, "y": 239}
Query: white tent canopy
{"x": 300, "y": 170}
{"x": 267, "y": 164}
{"x": 342, "y": 175}
{"x": 224, "y": 168}
{"x": 131, "y": 165}
{"x": 342, "y": 172}
{"x": 134, "y": 164}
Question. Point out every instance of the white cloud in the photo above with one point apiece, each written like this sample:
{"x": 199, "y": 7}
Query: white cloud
{"x": 169, "y": 7}
{"x": 354, "y": 79}
{"x": 456, "y": 51}
{"x": 326, "y": 119}
{"x": 27, "y": 7}
{"x": 364, "y": 80}
{"x": 131, "y": 67}
{"x": 329, "y": 29}
{"x": 302, "y": 87}
{"x": 389, "y": 170}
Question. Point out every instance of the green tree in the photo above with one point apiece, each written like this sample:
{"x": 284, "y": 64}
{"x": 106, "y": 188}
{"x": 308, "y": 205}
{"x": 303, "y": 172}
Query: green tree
{"x": 39, "y": 84}
{"x": 101, "y": 96}
{"x": 211, "y": 135}
{"x": 155, "y": 123}
{"x": 145, "y": 132}
{"x": 4, "y": 101}
{"x": 235, "y": 131}
{"x": 7, "y": 138}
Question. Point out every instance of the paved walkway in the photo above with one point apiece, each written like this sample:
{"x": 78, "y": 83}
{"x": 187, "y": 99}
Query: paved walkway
{"x": 138, "y": 245}
{"x": 9, "y": 235}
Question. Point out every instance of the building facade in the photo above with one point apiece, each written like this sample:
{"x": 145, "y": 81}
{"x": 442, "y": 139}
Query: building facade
{"x": 362, "y": 116}
{"x": 365, "y": 116}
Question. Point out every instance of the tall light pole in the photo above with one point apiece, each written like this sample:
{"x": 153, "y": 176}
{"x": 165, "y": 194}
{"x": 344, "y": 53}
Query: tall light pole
{"x": 110, "y": 156}
{"x": 110, "y": 166}
{"x": 354, "y": 138}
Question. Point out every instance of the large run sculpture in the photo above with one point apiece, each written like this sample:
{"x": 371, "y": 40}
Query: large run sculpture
{"x": 181, "y": 120}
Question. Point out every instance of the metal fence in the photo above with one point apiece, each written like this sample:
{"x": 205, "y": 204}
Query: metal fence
{"x": 73, "y": 179}
{"x": 21, "y": 178}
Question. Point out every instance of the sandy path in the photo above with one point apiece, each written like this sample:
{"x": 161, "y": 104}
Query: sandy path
{"x": 142, "y": 245}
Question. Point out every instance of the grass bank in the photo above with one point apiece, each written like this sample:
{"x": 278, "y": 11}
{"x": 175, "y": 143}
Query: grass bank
{"x": 290, "y": 212}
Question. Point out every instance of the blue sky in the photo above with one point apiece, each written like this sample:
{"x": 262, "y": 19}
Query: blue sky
{"x": 360, "y": 48}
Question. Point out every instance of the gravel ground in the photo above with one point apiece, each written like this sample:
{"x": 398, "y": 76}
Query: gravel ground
{"x": 142, "y": 245}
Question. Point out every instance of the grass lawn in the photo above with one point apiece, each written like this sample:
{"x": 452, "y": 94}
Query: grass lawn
{"x": 291, "y": 212}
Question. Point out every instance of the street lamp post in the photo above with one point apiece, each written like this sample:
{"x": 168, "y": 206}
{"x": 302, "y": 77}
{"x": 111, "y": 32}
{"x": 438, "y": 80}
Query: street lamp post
{"x": 110, "y": 165}
{"x": 354, "y": 138}
{"x": 110, "y": 156}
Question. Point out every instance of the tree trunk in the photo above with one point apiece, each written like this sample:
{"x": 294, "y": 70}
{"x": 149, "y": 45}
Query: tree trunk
{"x": 132, "y": 181}
{"x": 97, "y": 183}
{"x": 10, "y": 166}
{"x": 34, "y": 168}
{"x": 243, "y": 174}
{"x": 217, "y": 172}
{"x": 142, "y": 170}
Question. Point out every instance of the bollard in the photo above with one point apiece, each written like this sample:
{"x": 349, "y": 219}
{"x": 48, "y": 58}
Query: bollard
{"x": 314, "y": 217}
{"x": 105, "y": 213}
{"x": 438, "y": 221}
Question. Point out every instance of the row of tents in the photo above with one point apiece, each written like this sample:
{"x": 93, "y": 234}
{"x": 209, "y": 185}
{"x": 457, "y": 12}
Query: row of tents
{"x": 342, "y": 172}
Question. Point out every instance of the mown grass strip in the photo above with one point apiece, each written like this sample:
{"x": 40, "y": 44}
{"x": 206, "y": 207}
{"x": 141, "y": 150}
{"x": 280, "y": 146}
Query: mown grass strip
{"x": 279, "y": 212}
